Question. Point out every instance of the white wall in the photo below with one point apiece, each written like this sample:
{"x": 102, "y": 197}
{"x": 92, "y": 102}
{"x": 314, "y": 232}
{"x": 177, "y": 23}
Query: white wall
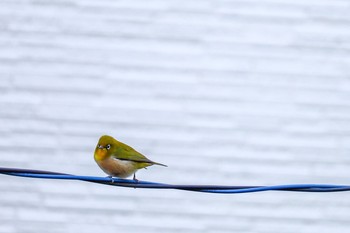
{"x": 225, "y": 92}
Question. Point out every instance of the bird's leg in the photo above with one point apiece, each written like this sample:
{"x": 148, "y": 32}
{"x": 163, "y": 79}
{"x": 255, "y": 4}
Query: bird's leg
{"x": 134, "y": 177}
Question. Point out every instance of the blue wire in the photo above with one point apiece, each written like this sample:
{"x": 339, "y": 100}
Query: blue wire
{"x": 282, "y": 187}
{"x": 197, "y": 188}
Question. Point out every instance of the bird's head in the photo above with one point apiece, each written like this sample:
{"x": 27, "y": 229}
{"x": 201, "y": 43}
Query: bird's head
{"x": 103, "y": 148}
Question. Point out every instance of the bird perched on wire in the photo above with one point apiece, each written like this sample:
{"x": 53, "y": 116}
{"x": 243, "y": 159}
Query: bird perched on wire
{"x": 118, "y": 159}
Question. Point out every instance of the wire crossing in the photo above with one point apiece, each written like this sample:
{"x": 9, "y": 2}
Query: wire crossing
{"x": 153, "y": 185}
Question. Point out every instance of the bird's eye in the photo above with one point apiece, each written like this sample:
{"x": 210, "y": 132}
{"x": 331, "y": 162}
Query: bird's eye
{"x": 99, "y": 146}
{"x": 108, "y": 147}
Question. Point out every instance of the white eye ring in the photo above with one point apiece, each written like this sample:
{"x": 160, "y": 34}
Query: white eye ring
{"x": 99, "y": 146}
{"x": 108, "y": 147}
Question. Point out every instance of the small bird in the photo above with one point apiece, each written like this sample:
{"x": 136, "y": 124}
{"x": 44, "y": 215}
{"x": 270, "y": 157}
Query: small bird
{"x": 118, "y": 159}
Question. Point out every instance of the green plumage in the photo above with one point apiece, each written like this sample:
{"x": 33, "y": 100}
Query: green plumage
{"x": 122, "y": 151}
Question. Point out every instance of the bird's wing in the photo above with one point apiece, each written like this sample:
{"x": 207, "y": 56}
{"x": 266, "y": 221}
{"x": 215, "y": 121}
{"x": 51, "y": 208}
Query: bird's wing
{"x": 130, "y": 154}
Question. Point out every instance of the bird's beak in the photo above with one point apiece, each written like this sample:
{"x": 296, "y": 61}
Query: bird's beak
{"x": 100, "y": 154}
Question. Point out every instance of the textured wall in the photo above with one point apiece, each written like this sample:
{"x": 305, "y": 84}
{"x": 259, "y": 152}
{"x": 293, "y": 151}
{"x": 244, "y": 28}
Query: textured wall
{"x": 224, "y": 92}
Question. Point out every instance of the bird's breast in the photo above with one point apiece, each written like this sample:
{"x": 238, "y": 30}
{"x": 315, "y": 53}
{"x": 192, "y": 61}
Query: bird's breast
{"x": 117, "y": 168}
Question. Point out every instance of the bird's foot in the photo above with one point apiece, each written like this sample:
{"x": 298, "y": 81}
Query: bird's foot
{"x": 135, "y": 180}
{"x": 111, "y": 178}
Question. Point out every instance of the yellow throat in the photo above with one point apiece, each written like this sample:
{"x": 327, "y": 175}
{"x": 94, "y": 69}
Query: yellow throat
{"x": 100, "y": 154}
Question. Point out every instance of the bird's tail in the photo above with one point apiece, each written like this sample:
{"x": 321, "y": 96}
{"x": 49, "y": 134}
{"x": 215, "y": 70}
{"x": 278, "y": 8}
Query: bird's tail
{"x": 160, "y": 164}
